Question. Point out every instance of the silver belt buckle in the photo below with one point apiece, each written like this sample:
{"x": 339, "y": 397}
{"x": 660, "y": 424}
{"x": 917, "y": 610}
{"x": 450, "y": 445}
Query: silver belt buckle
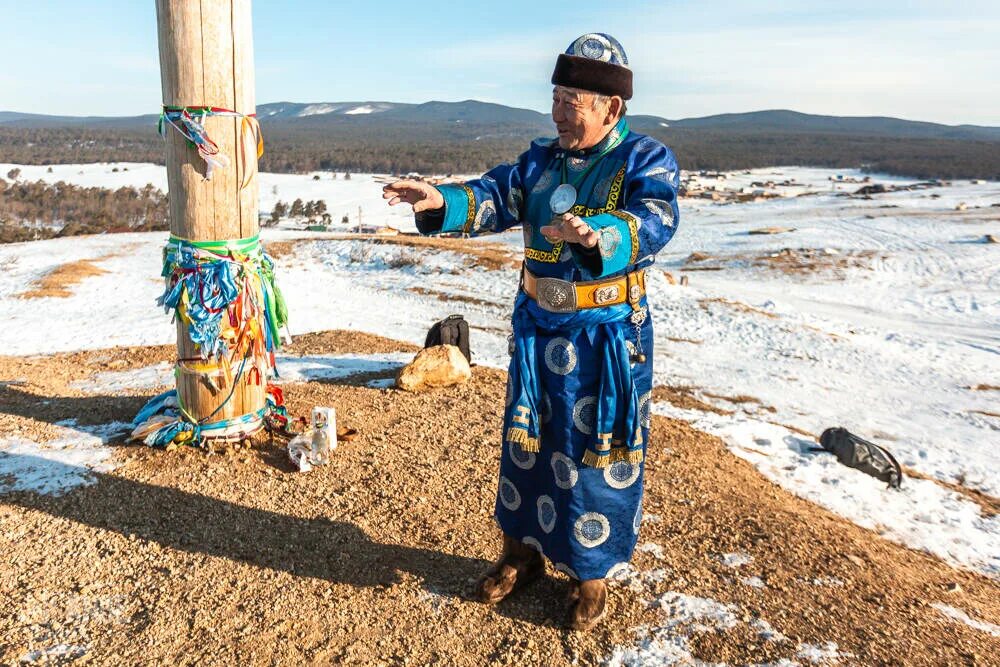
{"x": 556, "y": 296}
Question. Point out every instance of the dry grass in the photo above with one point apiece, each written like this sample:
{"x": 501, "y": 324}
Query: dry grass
{"x": 58, "y": 282}
{"x": 277, "y": 249}
{"x": 788, "y": 261}
{"x": 683, "y": 397}
{"x": 740, "y": 399}
{"x": 736, "y": 305}
{"x": 447, "y": 296}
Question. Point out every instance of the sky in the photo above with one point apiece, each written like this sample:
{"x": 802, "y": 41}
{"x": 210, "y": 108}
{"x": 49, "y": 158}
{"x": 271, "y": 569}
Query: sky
{"x": 918, "y": 60}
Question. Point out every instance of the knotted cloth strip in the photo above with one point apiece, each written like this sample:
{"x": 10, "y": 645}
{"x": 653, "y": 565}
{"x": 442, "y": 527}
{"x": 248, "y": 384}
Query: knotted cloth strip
{"x": 225, "y": 294}
{"x": 190, "y": 122}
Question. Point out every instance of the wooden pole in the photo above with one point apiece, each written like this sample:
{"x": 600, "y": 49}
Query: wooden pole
{"x": 206, "y": 59}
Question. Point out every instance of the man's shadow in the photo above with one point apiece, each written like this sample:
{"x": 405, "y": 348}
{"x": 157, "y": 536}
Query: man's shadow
{"x": 335, "y": 551}
{"x": 95, "y": 410}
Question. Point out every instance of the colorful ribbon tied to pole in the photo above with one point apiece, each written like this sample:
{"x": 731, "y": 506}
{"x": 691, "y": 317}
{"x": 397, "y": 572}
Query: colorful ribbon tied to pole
{"x": 225, "y": 295}
{"x": 190, "y": 122}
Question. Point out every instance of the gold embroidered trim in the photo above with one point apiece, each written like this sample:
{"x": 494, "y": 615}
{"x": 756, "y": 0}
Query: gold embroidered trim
{"x": 470, "y": 215}
{"x": 545, "y": 256}
{"x": 613, "y": 196}
{"x": 579, "y": 210}
{"x": 595, "y": 460}
{"x": 519, "y": 437}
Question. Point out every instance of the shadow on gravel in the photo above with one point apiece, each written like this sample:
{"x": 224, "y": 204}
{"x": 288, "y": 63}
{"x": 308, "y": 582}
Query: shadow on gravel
{"x": 85, "y": 410}
{"x": 335, "y": 551}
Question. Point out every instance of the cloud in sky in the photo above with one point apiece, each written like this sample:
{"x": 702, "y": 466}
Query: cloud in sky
{"x": 912, "y": 59}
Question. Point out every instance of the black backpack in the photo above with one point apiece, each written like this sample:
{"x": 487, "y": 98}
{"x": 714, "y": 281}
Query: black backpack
{"x": 856, "y": 452}
{"x": 452, "y": 330}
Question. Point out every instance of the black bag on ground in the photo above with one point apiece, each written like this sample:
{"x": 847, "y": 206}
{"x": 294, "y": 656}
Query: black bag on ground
{"x": 856, "y": 452}
{"x": 452, "y": 330}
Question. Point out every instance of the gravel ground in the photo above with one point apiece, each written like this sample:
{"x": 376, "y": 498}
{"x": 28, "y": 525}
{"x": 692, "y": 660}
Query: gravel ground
{"x": 233, "y": 558}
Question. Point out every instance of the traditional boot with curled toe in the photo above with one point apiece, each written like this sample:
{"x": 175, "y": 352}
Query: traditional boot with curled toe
{"x": 588, "y": 600}
{"x": 518, "y": 566}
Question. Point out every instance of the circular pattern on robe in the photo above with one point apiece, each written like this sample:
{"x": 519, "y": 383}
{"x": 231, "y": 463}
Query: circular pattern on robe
{"x": 509, "y": 495}
{"x": 637, "y": 519}
{"x": 546, "y": 513}
{"x": 617, "y": 570}
{"x": 522, "y": 459}
{"x": 514, "y": 200}
{"x": 585, "y": 414}
{"x": 560, "y": 356}
{"x": 545, "y": 408}
{"x": 603, "y": 188}
{"x": 544, "y": 181}
{"x": 621, "y": 474}
{"x": 609, "y": 239}
{"x": 662, "y": 174}
{"x": 646, "y": 144}
{"x": 564, "y": 471}
{"x": 486, "y": 218}
{"x": 592, "y": 529}
{"x": 644, "y": 404}
{"x": 533, "y": 543}
{"x": 576, "y": 163}
{"x": 565, "y": 569}
{"x": 662, "y": 209}
{"x": 594, "y": 46}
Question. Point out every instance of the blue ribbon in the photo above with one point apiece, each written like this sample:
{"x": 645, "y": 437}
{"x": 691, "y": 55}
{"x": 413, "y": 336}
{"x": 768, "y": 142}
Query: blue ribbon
{"x": 617, "y": 401}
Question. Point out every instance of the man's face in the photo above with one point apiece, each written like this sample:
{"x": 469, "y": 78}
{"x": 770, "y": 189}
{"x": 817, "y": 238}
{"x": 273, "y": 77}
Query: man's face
{"x": 581, "y": 125}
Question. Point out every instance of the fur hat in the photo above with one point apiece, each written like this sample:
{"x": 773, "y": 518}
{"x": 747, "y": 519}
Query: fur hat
{"x": 595, "y": 62}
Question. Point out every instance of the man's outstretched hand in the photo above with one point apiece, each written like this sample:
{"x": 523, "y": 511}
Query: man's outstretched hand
{"x": 420, "y": 195}
{"x": 571, "y": 229}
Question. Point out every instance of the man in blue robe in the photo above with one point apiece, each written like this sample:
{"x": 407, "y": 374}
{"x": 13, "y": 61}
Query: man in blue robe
{"x": 595, "y": 206}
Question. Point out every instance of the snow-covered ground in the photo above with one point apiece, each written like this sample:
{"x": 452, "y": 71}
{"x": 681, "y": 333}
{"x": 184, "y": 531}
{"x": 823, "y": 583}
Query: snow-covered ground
{"x": 342, "y": 196}
{"x": 889, "y": 334}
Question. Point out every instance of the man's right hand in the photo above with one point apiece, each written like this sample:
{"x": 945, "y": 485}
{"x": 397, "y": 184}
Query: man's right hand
{"x": 420, "y": 195}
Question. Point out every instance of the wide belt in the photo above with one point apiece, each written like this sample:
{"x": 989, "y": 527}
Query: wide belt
{"x": 564, "y": 296}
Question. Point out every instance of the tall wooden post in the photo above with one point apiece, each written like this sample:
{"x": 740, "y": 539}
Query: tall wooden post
{"x": 206, "y": 60}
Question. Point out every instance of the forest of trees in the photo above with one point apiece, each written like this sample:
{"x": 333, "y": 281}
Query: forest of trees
{"x": 37, "y": 210}
{"x": 436, "y": 149}
{"x": 30, "y": 211}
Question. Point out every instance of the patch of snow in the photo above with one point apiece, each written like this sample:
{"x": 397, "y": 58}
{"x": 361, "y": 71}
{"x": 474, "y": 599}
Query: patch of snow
{"x": 59, "y": 653}
{"x": 318, "y": 110}
{"x": 922, "y": 514}
{"x": 825, "y": 654}
{"x": 59, "y": 465}
{"x": 736, "y": 560}
{"x": 328, "y": 367}
{"x": 753, "y": 582}
{"x": 137, "y": 379}
{"x": 962, "y": 617}
{"x": 766, "y": 632}
{"x": 364, "y": 109}
{"x": 655, "y": 549}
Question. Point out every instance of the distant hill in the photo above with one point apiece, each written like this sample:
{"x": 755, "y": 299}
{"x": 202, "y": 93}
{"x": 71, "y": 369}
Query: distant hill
{"x": 793, "y": 121}
{"x": 470, "y": 136}
{"x": 484, "y": 113}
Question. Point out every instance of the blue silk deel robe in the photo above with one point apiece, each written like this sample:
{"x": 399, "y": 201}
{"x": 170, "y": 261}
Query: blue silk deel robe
{"x": 577, "y": 503}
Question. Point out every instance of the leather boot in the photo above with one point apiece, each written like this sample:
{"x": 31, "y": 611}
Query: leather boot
{"x": 517, "y": 566}
{"x": 589, "y": 600}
